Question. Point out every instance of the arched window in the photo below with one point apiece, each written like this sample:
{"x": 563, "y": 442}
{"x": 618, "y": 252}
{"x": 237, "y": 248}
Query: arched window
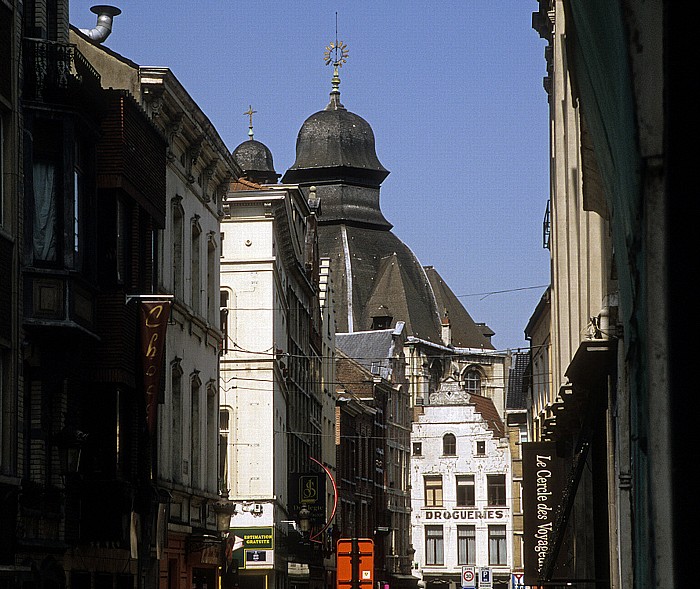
{"x": 196, "y": 438}
{"x": 449, "y": 445}
{"x": 472, "y": 382}
{"x": 178, "y": 241}
{"x": 176, "y": 421}
{"x": 195, "y": 267}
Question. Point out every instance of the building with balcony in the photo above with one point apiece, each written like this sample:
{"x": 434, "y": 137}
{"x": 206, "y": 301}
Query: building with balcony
{"x": 609, "y": 369}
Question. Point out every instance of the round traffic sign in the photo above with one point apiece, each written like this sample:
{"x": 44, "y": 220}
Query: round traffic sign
{"x": 468, "y": 576}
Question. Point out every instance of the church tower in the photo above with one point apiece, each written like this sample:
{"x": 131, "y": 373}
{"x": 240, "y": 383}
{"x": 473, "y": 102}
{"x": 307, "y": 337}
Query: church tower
{"x": 379, "y": 280}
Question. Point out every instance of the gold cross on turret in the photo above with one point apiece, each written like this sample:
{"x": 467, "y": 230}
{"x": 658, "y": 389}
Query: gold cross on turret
{"x": 250, "y": 112}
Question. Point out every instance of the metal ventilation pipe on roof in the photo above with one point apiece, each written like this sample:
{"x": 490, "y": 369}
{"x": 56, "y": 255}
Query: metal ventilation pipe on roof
{"x": 105, "y": 14}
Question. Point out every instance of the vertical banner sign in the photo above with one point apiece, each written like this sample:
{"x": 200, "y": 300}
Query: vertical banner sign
{"x": 544, "y": 478}
{"x": 154, "y": 317}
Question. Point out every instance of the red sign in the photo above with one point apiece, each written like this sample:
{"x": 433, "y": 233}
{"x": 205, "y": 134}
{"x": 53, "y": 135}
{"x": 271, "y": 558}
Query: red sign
{"x": 355, "y": 563}
{"x": 154, "y": 322}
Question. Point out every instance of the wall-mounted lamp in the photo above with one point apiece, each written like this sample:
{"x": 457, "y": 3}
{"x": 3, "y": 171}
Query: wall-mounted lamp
{"x": 304, "y": 518}
{"x": 69, "y": 442}
{"x": 224, "y": 510}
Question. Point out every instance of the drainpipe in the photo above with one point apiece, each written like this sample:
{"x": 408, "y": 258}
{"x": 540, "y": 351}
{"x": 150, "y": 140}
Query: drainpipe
{"x": 105, "y": 15}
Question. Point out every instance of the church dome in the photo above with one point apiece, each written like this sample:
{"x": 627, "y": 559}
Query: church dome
{"x": 255, "y": 159}
{"x": 339, "y": 140}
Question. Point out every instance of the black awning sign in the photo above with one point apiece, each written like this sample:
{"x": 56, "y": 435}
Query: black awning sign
{"x": 544, "y": 478}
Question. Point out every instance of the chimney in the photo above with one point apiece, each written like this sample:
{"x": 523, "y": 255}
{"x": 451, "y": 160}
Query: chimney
{"x": 105, "y": 15}
{"x": 446, "y": 331}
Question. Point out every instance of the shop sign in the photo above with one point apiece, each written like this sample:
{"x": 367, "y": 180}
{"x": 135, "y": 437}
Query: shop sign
{"x": 544, "y": 478}
{"x": 466, "y": 514}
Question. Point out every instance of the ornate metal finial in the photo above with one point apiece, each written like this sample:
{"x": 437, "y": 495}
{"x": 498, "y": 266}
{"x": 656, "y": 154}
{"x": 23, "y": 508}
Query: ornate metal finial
{"x": 250, "y": 112}
{"x": 337, "y": 54}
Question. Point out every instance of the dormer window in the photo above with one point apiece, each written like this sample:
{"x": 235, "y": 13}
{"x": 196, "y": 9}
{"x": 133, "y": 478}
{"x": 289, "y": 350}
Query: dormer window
{"x": 382, "y": 322}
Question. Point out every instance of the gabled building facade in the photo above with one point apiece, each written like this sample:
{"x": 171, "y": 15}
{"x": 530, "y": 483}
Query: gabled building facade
{"x": 461, "y": 502}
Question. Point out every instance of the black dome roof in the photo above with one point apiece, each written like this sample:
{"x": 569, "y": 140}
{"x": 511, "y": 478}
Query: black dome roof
{"x": 336, "y": 143}
{"x": 255, "y": 159}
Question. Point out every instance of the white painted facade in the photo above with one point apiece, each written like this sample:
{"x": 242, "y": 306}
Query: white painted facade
{"x": 189, "y": 249}
{"x": 268, "y": 298}
{"x": 438, "y": 514}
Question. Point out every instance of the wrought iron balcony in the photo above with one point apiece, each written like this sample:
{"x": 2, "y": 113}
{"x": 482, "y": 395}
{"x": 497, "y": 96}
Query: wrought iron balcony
{"x": 52, "y": 70}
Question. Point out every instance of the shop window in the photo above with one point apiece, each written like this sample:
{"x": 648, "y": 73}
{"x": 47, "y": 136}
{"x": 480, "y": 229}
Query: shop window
{"x": 434, "y": 546}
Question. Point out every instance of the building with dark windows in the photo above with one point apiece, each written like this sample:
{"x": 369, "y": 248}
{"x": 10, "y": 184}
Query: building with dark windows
{"x": 611, "y": 365}
{"x": 74, "y": 435}
{"x": 371, "y": 371}
{"x": 89, "y": 175}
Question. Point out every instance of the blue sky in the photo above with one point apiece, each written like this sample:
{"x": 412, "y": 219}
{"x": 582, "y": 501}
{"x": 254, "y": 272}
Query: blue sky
{"x": 452, "y": 89}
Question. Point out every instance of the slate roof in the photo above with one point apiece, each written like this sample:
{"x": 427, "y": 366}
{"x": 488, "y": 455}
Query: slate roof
{"x": 465, "y": 332}
{"x": 255, "y": 159}
{"x": 516, "y": 396}
{"x": 398, "y": 283}
{"x": 370, "y": 349}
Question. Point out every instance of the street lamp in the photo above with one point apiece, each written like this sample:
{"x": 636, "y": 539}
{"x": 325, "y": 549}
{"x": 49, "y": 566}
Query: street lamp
{"x": 304, "y": 517}
{"x": 69, "y": 442}
{"x": 224, "y": 510}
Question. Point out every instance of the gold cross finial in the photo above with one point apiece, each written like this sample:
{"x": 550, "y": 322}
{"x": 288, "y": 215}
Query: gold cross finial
{"x": 250, "y": 112}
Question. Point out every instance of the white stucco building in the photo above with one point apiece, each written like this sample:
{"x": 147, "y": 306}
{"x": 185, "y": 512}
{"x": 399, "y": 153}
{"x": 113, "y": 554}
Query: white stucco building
{"x": 461, "y": 493}
{"x": 272, "y": 417}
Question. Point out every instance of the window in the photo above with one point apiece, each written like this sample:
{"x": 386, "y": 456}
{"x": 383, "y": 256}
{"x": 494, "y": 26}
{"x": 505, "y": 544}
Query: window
{"x": 212, "y": 275}
{"x": 224, "y": 433}
{"x": 465, "y": 490}
{"x": 44, "y": 229}
{"x": 211, "y": 434}
{"x": 498, "y": 554}
{"x": 472, "y": 382}
{"x": 449, "y": 445}
{"x": 177, "y": 241}
{"x": 466, "y": 545}
{"x": 381, "y": 322}
{"x": 481, "y": 448}
{"x": 433, "y": 491}
{"x": 223, "y": 319}
{"x": 434, "y": 549}
{"x": 196, "y": 440}
{"x": 496, "y": 489}
{"x": 176, "y": 432}
{"x": 418, "y": 448}
{"x": 195, "y": 278}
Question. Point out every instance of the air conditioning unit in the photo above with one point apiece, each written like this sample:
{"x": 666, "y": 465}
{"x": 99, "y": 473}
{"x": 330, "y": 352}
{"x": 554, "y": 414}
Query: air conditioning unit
{"x": 257, "y": 508}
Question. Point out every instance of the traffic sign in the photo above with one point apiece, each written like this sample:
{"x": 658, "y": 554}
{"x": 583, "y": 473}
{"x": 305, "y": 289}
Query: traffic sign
{"x": 469, "y": 577}
{"x": 518, "y": 580}
{"x": 485, "y": 581}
